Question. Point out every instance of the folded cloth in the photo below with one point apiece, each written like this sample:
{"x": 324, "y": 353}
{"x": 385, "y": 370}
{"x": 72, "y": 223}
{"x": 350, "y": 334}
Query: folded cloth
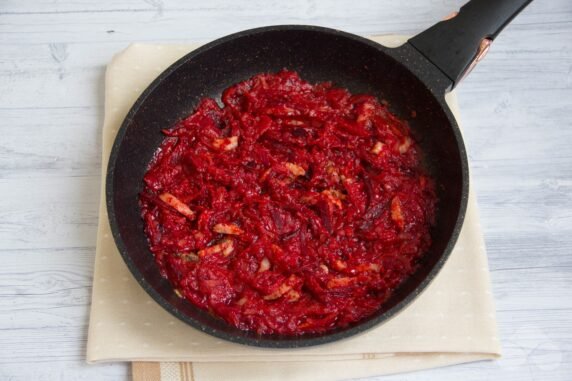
{"x": 452, "y": 322}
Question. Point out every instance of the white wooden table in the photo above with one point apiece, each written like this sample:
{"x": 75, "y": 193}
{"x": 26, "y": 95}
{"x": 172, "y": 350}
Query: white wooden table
{"x": 517, "y": 114}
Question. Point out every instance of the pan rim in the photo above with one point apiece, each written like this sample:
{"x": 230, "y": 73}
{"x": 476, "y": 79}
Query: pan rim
{"x": 243, "y": 337}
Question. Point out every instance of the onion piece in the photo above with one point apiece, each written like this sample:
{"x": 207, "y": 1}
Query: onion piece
{"x": 177, "y": 204}
{"x": 225, "y": 247}
{"x": 397, "y": 213}
{"x": 377, "y": 147}
{"x": 295, "y": 169}
{"x": 264, "y": 265}
{"x": 227, "y": 229}
{"x": 227, "y": 144}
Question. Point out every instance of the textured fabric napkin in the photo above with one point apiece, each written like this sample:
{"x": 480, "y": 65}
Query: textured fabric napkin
{"x": 452, "y": 322}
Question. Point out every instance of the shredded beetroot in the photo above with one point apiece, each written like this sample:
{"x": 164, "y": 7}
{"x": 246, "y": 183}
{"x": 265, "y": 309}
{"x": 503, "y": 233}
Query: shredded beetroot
{"x": 295, "y": 208}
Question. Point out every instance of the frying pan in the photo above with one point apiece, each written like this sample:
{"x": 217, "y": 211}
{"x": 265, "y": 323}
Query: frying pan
{"x": 413, "y": 77}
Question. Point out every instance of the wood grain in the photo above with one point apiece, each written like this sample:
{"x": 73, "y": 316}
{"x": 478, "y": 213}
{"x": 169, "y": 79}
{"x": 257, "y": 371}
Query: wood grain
{"x": 515, "y": 107}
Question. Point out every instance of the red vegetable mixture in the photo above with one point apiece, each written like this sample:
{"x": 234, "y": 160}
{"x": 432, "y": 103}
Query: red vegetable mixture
{"x": 295, "y": 208}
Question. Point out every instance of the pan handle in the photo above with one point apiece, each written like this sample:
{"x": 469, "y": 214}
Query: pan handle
{"x": 456, "y": 44}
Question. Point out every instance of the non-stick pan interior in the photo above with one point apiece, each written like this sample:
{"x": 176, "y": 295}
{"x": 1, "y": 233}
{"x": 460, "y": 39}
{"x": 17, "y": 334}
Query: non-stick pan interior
{"x": 317, "y": 55}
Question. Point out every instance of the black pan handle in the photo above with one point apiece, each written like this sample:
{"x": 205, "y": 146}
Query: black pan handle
{"x": 458, "y": 43}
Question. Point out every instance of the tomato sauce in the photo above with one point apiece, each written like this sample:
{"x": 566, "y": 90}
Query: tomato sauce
{"x": 292, "y": 209}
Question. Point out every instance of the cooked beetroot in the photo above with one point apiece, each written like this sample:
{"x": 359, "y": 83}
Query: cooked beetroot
{"x": 293, "y": 209}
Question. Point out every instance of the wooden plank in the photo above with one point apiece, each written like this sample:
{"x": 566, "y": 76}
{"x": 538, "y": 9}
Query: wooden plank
{"x": 48, "y": 212}
{"x": 66, "y": 142}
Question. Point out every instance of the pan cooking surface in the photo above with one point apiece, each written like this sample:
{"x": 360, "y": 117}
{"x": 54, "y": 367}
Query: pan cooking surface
{"x": 294, "y": 209}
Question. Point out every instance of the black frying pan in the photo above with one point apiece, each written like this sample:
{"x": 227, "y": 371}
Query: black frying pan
{"x": 412, "y": 77}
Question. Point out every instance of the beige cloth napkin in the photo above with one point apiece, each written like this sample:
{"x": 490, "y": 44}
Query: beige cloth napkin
{"x": 452, "y": 322}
